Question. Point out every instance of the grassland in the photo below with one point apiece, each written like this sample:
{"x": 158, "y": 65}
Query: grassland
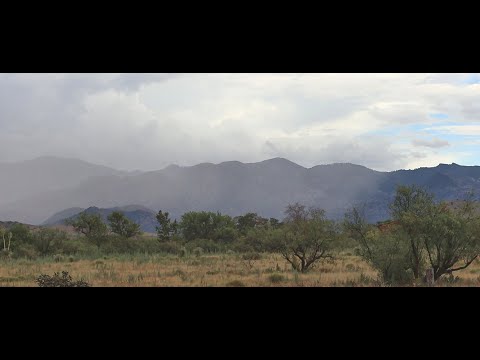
{"x": 203, "y": 271}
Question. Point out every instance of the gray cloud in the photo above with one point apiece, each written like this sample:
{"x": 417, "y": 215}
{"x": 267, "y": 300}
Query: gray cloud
{"x": 146, "y": 121}
{"x": 434, "y": 143}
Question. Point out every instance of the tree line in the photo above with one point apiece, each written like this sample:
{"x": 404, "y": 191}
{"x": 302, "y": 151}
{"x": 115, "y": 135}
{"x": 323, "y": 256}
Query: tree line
{"x": 421, "y": 234}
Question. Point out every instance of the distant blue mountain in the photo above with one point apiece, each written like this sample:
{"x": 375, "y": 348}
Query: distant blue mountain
{"x": 233, "y": 188}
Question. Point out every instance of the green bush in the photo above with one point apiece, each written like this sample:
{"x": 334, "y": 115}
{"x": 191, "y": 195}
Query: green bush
{"x": 169, "y": 247}
{"x": 48, "y": 241}
{"x": 65, "y": 280}
{"x": 25, "y": 251}
{"x": 390, "y": 258}
{"x": 183, "y": 252}
{"x": 75, "y": 245}
{"x": 117, "y": 244}
{"x": 208, "y": 246}
{"x": 250, "y": 258}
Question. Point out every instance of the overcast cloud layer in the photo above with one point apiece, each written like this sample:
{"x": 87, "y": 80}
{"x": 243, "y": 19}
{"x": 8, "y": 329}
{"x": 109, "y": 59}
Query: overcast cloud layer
{"x": 148, "y": 121}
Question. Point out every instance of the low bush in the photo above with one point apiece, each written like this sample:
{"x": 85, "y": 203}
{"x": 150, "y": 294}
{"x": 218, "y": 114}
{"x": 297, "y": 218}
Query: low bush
{"x": 57, "y": 280}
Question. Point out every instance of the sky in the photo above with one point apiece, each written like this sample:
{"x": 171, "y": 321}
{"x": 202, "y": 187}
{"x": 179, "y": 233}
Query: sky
{"x": 148, "y": 121}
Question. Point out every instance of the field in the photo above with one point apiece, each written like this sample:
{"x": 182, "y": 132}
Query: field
{"x": 203, "y": 271}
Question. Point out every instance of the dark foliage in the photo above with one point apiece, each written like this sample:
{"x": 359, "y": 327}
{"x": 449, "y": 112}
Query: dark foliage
{"x": 65, "y": 280}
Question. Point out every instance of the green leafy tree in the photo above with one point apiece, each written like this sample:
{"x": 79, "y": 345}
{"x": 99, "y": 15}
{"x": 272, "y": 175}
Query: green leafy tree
{"x": 47, "y": 241}
{"x": 208, "y": 225}
{"x": 411, "y": 205}
{"x": 387, "y": 252}
{"x": 166, "y": 229}
{"x": 92, "y": 226}
{"x": 121, "y": 225}
{"x": 423, "y": 234}
{"x": 274, "y": 223}
{"x": 306, "y": 237}
{"x": 246, "y": 222}
{"x": 21, "y": 233}
{"x": 451, "y": 237}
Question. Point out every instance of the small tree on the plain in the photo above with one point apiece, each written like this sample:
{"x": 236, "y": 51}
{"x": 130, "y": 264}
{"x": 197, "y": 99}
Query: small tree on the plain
{"x": 166, "y": 229}
{"x": 424, "y": 234}
{"x": 121, "y": 225}
{"x": 411, "y": 205}
{"x": 246, "y": 222}
{"x": 306, "y": 237}
{"x": 386, "y": 252}
{"x": 451, "y": 238}
{"x": 92, "y": 226}
{"x": 47, "y": 241}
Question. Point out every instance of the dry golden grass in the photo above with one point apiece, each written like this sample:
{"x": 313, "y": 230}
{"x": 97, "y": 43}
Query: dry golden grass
{"x": 207, "y": 270}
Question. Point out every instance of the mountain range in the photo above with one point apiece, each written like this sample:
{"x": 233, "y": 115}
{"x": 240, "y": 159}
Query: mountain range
{"x": 32, "y": 191}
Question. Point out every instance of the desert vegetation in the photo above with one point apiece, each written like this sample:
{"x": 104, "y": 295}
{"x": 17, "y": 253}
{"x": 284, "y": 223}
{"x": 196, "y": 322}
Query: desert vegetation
{"x": 305, "y": 248}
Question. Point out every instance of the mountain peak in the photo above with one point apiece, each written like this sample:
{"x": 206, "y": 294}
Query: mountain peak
{"x": 279, "y": 161}
{"x": 448, "y": 165}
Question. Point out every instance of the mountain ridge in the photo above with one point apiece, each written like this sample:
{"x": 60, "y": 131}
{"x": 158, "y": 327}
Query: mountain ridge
{"x": 234, "y": 188}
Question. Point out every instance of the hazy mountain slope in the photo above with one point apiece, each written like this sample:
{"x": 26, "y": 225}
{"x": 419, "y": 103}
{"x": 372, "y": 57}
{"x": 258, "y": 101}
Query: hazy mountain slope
{"x": 58, "y": 218}
{"x": 29, "y": 178}
{"x": 236, "y": 188}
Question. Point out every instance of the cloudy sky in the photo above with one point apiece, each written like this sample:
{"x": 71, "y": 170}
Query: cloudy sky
{"x": 148, "y": 121}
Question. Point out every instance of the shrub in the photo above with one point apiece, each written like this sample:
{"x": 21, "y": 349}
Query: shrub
{"x": 169, "y": 247}
{"x": 351, "y": 268}
{"x": 242, "y": 247}
{"x": 235, "y": 283}
{"x": 65, "y": 280}
{"x": 5, "y": 254}
{"x": 58, "y": 258}
{"x": 250, "y": 258}
{"x": 25, "y": 251}
{"x": 198, "y": 251}
{"x": 208, "y": 245}
{"x": 183, "y": 252}
{"x": 276, "y": 278}
{"x": 48, "y": 241}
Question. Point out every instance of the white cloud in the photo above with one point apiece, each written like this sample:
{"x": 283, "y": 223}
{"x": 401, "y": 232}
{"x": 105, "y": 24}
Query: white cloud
{"x": 149, "y": 120}
{"x": 434, "y": 143}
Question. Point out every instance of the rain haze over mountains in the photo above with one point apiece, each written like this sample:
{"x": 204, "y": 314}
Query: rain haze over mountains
{"x": 39, "y": 188}
{"x": 233, "y": 143}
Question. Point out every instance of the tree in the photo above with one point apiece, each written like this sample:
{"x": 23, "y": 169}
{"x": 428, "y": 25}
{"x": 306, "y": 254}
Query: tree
{"x": 90, "y": 225}
{"x": 7, "y": 241}
{"x": 121, "y": 225}
{"x": 208, "y": 225}
{"x": 246, "y": 222}
{"x": 423, "y": 233}
{"x": 410, "y": 205}
{"x": 305, "y": 238}
{"x": 359, "y": 229}
{"x": 274, "y": 223}
{"x": 21, "y": 233}
{"x": 387, "y": 252}
{"x": 451, "y": 238}
{"x": 167, "y": 228}
{"x": 47, "y": 241}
